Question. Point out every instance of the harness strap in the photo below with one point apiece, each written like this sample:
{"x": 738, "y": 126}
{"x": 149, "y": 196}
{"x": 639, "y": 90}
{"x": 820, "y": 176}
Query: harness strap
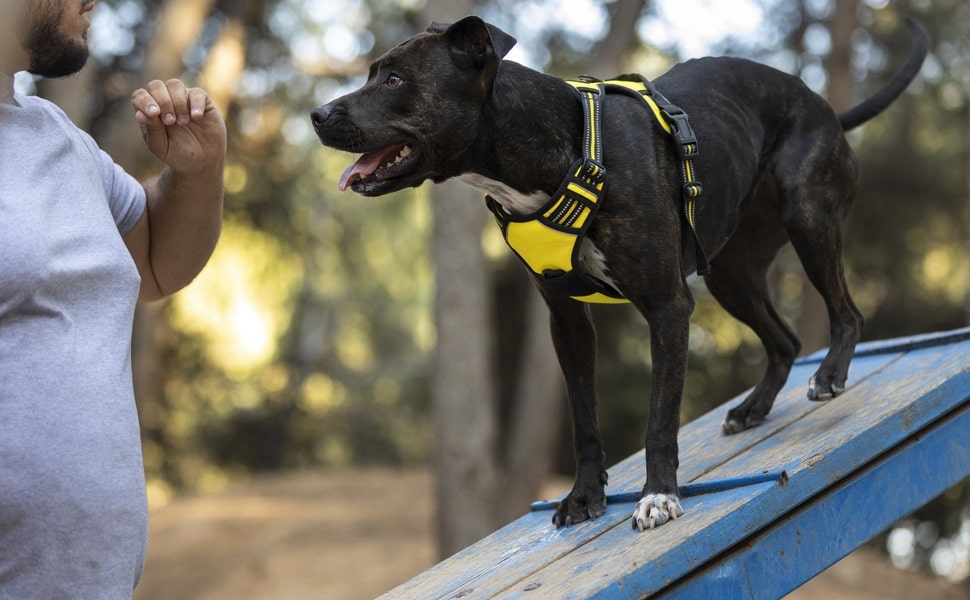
{"x": 592, "y": 93}
{"x": 674, "y": 121}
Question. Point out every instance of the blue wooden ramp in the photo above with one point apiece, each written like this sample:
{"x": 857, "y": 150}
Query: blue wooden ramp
{"x": 898, "y": 437}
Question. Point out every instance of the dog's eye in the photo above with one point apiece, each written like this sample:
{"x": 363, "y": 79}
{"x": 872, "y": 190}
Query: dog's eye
{"x": 393, "y": 81}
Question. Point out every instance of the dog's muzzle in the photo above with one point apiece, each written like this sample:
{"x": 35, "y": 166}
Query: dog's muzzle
{"x": 320, "y": 115}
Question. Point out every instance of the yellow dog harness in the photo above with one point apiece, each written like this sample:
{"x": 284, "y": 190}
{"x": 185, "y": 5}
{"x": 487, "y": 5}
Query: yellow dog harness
{"x": 548, "y": 241}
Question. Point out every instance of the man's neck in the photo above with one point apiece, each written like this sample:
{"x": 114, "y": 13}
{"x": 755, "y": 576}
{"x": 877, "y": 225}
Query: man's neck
{"x": 6, "y": 88}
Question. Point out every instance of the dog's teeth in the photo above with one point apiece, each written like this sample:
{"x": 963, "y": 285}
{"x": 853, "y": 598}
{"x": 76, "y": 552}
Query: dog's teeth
{"x": 404, "y": 153}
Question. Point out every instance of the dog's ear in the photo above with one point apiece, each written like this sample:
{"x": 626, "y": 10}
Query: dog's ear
{"x": 477, "y": 40}
{"x": 501, "y": 41}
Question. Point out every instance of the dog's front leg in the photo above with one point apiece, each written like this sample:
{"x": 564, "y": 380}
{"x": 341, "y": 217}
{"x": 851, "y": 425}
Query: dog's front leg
{"x": 574, "y": 339}
{"x": 669, "y": 327}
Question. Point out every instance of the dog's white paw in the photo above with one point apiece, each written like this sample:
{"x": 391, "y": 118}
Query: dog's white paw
{"x": 656, "y": 509}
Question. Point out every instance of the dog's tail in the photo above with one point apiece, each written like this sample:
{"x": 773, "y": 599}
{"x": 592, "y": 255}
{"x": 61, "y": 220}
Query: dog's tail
{"x": 871, "y": 107}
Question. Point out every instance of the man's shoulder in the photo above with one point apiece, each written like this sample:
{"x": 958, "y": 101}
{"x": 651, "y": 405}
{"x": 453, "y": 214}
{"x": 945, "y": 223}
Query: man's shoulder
{"x": 40, "y": 104}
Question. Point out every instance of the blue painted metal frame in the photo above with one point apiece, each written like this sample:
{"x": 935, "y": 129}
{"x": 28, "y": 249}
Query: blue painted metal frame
{"x": 907, "y": 402}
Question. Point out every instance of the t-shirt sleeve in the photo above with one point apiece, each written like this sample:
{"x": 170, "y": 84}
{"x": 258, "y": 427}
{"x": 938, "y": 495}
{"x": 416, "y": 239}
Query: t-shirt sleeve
{"x": 126, "y": 196}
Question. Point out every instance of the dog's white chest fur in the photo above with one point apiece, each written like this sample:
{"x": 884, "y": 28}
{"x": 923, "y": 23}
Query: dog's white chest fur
{"x": 591, "y": 259}
{"x": 511, "y": 200}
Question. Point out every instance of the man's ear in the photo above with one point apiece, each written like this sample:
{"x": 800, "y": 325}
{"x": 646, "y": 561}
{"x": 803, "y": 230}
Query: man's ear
{"x": 478, "y": 41}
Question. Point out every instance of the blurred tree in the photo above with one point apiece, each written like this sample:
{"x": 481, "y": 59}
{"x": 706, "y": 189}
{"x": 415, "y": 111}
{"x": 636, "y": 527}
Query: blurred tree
{"x": 462, "y": 386}
{"x": 812, "y": 324}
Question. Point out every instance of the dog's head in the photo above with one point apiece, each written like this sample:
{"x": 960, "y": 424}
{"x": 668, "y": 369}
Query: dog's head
{"x": 419, "y": 111}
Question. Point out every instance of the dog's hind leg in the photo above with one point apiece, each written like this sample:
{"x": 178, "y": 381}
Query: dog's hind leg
{"x": 813, "y": 210}
{"x": 574, "y": 339}
{"x": 822, "y": 261}
{"x": 738, "y": 281}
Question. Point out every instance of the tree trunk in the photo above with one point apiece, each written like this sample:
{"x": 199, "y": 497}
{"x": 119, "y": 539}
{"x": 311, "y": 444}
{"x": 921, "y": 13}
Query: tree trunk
{"x": 838, "y": 64}
{"x": 463, "y": 392}
{"x": 812, "y": 323}
{"x": 622, "y": 39}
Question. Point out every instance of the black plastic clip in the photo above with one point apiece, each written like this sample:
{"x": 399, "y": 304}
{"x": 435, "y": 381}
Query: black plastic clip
{"x": 682, "y": 132}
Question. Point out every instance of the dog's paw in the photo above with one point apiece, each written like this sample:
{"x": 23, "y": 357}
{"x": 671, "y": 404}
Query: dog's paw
{"x": 576, "y": 508}
{"x": 736, "y": 423}
{"x": 819, "y": 391}
{"x": 656, "y": 509}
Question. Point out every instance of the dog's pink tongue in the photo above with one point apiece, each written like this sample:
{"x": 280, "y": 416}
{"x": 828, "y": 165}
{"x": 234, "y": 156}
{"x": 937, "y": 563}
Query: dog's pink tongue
{"x": 364, "y": 166}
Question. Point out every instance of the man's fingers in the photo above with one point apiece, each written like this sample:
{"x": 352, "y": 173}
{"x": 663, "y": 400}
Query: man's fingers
{"x": 146, "y": 108}
{"x": 167, "y": 103}
{"x": 172, "y": 99}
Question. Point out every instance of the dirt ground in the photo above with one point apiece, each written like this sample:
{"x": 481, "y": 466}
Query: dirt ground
{"x": 356, "y": 534}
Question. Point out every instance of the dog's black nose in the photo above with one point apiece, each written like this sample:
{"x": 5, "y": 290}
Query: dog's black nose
{"x": 320, "y": 115}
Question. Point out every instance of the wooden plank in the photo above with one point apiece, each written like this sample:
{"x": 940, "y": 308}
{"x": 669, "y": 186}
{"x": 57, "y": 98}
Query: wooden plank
{"x": 703, "y": 447}
{"x": 817, "y": 535}
{"x": 816, "y": 451}
{"x": 529, "y": 549}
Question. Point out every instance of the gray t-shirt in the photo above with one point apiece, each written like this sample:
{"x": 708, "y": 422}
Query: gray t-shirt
{"x": 73, "y": 514}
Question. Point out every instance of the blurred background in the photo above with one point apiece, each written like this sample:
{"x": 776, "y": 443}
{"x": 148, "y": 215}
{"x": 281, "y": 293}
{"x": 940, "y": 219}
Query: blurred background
{"x": 333, "y": 333}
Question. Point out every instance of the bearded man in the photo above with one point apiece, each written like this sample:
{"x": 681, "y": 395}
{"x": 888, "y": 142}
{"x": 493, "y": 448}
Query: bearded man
{"x": 81, "y": 242}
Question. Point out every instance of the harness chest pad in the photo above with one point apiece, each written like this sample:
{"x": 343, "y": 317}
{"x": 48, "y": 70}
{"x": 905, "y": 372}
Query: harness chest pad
{"x": 548, "y": 240}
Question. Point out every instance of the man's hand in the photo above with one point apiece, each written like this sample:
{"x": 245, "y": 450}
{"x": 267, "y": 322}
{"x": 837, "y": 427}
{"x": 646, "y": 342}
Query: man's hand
{"x": 181, "y": 126}
{"x": 174, "y": 238}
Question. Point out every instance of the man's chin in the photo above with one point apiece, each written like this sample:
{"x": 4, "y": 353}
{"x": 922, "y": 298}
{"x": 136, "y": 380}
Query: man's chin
{"x": 63, "y": 66}
{"x": 56, "y": 57}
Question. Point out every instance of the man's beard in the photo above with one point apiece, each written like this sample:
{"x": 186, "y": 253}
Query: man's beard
{"x": 51, "y": 53}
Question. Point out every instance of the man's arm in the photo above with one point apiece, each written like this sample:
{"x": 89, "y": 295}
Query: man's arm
{"x": 174, "y": 238}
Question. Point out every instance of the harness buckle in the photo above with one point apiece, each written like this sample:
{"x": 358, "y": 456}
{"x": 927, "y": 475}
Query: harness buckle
{"x": 682, "y": 133}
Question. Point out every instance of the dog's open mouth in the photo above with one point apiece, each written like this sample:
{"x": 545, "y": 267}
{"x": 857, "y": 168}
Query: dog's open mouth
{"x": 374, "y": 168}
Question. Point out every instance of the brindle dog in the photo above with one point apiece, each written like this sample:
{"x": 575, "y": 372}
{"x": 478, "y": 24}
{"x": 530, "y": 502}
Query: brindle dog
{"x": 773, "y": 160}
